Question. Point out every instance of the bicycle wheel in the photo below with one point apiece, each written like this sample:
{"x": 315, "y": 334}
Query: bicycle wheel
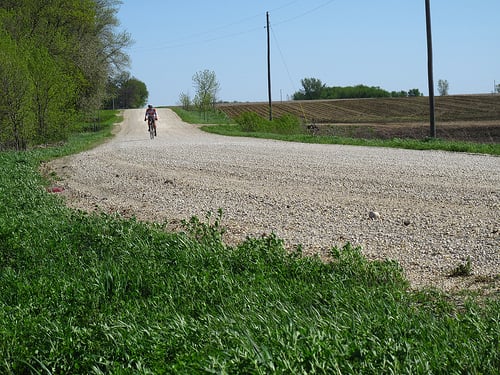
{"x": 151, "y": 131}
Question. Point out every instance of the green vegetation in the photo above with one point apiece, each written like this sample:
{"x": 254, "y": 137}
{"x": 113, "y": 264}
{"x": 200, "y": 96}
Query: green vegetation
{"x": 463, "y": 269}
{"x": 126, "y": 92}
{"x": 412, "y": 144}
{"x": 313, "y": 89}
{"x": 96, "y": 122}
{"x": 207, "y": 87}
{"x": 288, "y": 128}
{"x": 199, "y": 117}
{"x": 57, "y": 58}
{"x": 93, "y": 293}
{"x": 252, "y": 122}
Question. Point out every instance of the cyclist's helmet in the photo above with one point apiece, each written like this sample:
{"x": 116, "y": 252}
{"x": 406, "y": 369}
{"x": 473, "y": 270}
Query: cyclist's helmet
{"x": 150, "y": 106}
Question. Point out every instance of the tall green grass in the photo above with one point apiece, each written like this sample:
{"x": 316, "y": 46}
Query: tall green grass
{"x": 93, "y": 293}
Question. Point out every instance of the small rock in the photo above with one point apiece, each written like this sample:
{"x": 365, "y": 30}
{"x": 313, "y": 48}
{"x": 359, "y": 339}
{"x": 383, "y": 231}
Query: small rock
{"x": 374, "y": 215}
{"x": 406, "y": 222}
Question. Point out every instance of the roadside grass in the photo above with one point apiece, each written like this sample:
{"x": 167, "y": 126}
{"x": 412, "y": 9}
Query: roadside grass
{"x": 97, "y": 121}
{"x": 197, "y": 117}
{"x": 411, "y": 144}
{"x": 94, "y": 293}
{"x": 226, "y": 127}
{"x": 91, "y": 134}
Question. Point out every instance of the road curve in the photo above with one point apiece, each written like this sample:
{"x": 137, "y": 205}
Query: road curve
{"x": 436, "y": 208}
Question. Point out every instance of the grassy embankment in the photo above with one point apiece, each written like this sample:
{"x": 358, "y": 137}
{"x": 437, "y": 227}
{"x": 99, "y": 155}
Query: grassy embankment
{"x": 226, "y": 126}
{"x": 83, "y": 294}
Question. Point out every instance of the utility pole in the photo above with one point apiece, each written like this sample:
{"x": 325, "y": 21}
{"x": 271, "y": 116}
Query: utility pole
{"x": 269, "y": 69}
{"x": 430, "y": 68}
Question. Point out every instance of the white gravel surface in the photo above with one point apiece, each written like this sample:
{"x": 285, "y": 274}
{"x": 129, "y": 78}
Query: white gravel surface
{"x": 436, "y": 208}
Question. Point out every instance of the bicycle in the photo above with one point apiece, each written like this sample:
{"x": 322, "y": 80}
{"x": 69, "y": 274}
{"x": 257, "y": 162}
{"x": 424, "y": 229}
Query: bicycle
{"x": 151, "y": 127}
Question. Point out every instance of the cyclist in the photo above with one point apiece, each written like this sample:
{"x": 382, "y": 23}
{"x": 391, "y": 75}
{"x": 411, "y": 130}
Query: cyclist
{"x": 151, "y": 114}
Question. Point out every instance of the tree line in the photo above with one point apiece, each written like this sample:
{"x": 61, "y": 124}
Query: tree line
{"x": 125, "y": 91}
{"x": 314, "y": 89}
{"x": 58, "y": 61}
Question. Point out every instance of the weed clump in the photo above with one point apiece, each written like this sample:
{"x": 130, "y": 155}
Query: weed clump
{"x": 463, "y": 269}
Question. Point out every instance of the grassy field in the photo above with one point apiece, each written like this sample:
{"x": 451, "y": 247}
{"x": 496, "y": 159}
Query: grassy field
{"x": 92, "y": 293}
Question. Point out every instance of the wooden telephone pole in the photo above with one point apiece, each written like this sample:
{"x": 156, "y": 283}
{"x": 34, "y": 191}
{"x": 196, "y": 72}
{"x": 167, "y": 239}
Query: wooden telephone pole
{"x": 269, "y": 69}
{"x": 430, "y": 69}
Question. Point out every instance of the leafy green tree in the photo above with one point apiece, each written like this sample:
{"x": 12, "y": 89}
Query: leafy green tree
{"x": 311, "y": 88}
{"x": 107, "y": 54}
{"x": 66, "y": 28}
{"x": 358, "y": 91}
{"x": 64, "y": 53}
{"x": 126, "y": 92}
{"x": 113, "y": 89}
{"x": 206, "y": 85}
{"x": 314, "y": 89}
{"x": 133, "y": 94}
{"x": 399, "y": 94}
{"x": 15, "y": 117}
{"x": 414, "y": 93}
{"x": 443, "y": 87}
{"x": 185, "y": 101}
{"x": 54, "y": 96}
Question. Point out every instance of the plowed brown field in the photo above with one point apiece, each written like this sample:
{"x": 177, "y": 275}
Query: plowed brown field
{"x": 458, "y": 117}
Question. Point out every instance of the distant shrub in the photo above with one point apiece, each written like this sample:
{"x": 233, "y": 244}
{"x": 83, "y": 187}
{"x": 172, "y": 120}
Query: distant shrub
{"x": 252, "y": 122}
{"x": 286, "y": 124}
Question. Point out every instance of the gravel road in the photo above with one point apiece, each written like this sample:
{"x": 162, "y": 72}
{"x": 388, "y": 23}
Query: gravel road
{"x": 436, "y": 208}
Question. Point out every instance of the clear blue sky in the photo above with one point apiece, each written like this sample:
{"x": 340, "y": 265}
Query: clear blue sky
{"x": 341, "y": 42}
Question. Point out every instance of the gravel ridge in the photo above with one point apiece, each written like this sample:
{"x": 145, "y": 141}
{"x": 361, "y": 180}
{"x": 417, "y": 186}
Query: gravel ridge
{"x": 437, "y": 209}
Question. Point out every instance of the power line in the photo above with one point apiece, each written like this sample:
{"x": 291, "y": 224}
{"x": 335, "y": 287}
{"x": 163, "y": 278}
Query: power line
{"x": 196, "y": 42}
{"x": 305, "y": 13}
{"x": 177, "y": 43}
{"x": 282, "y": 58}
{"x": 201, "y": 37}
{"x": 288, "y": 71}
